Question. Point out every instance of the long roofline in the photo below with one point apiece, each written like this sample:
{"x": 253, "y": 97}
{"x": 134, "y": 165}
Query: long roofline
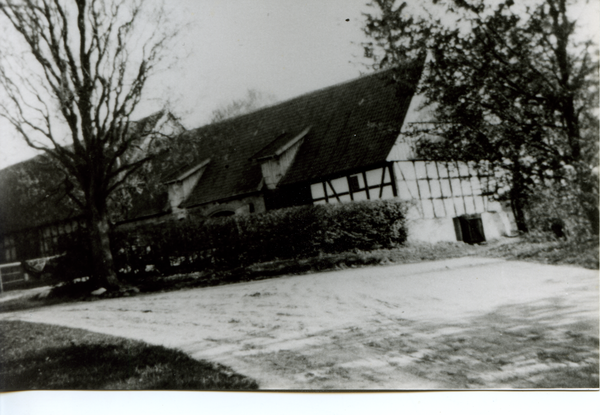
{"x": 161, "y": 112}
{"x": 311, "y": 92}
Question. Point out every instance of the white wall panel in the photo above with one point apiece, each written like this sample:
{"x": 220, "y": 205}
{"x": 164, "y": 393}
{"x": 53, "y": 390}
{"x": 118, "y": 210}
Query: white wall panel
{"x": 330, "y": 190}
{"x": 386, "y": 176}
{"x": 420, "y": 169}
{"x": 428, "y": 209}
{"x": 316, "y": 191}
{"x": 456, "y": 187}
{"x": 479, "y": 204}
{"x": 443, "y": 171}
{"x": 374, "y": 177}
{"x": 466, "y": 187}
{"x": 438, "y": 208}
{"x": 424, "y": 189}
{"x": 358, "y": 196}
{"x": 340, "y": 185}
{"x": 450, "y": 210}
{"x": 476, "y": 186}
{"x": 452, "y": 170}
{"x": 436, "y": 190}
{"x": 459, "y": 205}
{"x": 469, "y": 205}
{"x": 388, "y": 193}
{"x": 405, "y": 192}
{"x": 445, "y": 188}
{"x": 407, "y": 171}
{"x": 431, "y": 170}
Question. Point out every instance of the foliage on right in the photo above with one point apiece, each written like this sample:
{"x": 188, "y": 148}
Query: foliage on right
{"x": 514, "y": 85}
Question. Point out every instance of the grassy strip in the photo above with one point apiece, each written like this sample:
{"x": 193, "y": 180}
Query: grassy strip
{"x": 41, "y": 356}
{"x": 581, "y": 253}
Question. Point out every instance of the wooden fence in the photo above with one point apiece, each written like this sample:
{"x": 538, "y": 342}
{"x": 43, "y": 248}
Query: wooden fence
{"x": 11, "y": 274}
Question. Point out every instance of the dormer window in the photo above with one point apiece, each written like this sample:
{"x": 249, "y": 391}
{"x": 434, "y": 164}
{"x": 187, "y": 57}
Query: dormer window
{"x": 182, "y": 184}
{"x": 277, "y": 157}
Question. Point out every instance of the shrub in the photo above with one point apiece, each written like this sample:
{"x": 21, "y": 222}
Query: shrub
{"x": 238, "y": 241}
{"x": 555, "y": 212}
{"x": 74, "y": 261}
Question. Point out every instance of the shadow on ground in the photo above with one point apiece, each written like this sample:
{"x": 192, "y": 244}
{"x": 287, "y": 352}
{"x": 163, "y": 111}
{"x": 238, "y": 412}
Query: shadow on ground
{"x": 88, "y": 361}
{"x": 513, "y": 347}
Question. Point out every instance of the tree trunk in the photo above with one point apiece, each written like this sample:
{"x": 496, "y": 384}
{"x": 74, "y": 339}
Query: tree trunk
{"x": 592, "y": 216}
{"x": 103, "y": 266}
{"x": 518, "y": 196}
{"x": 588, "y": 199}
{"x": 517, "y": 208}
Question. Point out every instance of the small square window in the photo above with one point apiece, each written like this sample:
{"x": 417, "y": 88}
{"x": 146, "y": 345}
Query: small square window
{"x": 353, "y": 183}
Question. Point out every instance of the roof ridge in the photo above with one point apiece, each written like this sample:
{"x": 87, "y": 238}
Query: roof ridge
{"x": 309, "y": 93}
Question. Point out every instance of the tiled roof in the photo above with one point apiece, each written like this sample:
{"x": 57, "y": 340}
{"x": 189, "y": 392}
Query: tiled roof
{"x": 271, "y": 149}
{"x": 32, "y": 192}
{"x": 279, "y": 145}
{"x": 353, "y": 125}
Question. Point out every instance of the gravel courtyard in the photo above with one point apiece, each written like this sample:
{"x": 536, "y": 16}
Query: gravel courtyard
{"x": 466, "y": 323}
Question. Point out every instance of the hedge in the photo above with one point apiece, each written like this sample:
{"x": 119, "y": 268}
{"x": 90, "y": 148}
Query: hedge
{"x": 197, "y": 244}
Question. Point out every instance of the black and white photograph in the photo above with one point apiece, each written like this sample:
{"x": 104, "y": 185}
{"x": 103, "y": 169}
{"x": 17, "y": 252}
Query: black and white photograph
{"x": 299, "y": 196}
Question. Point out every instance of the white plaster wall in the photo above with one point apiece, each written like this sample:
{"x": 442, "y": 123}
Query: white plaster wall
{"x": 442, "y": 229}
{"x": 492, "y": 226}
{"x": 431, "y": 230}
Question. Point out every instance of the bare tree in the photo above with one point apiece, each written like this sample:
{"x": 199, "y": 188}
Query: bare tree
{"x": 70, "y": 89}
{"x": 252, "y": 101}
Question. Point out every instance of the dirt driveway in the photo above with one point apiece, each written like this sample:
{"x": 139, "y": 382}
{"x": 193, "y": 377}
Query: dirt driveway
{"x": 461, "y": 323}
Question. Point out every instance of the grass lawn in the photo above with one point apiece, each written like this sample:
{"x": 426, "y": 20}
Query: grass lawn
{"x": 41, "y": 356}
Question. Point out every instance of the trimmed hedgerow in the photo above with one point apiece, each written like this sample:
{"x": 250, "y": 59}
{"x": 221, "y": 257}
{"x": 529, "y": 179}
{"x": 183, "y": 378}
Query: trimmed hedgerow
{"x": 223, "y": 243}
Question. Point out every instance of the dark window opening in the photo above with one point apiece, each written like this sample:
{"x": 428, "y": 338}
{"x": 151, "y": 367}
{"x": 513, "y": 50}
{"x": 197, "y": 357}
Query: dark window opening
{"x": 8, "y": 249}
{"x": 223, "y": 213}
{"x": 469, "y": 229}
{"x": 353, "y": 184}
{"x": 251, "y": 207}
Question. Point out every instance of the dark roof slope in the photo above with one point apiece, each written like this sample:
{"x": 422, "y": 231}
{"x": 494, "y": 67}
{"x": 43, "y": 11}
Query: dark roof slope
{"x": 353, "y": 125}
{"x": 33, "y": 192}
{"x": 271, "y": 149}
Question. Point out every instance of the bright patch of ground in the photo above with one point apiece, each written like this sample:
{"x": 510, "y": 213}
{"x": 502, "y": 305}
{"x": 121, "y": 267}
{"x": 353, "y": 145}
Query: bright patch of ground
{"x": 455, "y": 324}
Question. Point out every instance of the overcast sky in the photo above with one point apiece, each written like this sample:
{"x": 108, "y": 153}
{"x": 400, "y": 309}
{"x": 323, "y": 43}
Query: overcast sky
{"x": 279, "y": 47}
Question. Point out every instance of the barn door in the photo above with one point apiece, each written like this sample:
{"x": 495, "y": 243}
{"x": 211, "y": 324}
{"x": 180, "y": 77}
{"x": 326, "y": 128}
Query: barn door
{"x": 469, "y": 229}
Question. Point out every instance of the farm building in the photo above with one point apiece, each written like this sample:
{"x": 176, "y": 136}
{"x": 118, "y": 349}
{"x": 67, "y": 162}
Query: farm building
{"x": 339, "y": 144}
